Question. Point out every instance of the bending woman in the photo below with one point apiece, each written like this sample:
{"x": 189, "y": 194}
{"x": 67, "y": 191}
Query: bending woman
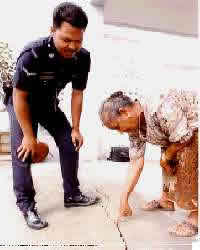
{"x": 171, "y": 123}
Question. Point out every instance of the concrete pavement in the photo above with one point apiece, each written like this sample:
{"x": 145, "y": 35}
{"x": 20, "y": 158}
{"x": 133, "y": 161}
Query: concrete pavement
{"x": 90, "y": 227}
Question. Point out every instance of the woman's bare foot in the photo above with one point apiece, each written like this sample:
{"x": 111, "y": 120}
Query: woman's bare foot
{"x": 193, "y": 218}
{"x": 159, "y": 204}
{"x": 183, "y": 229}
{"x": 187, "y": 228}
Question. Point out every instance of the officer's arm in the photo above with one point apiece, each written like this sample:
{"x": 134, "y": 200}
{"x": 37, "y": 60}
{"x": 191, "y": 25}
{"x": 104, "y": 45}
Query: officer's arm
{"x": 76, "y": 108}
{"x": 79, "y": 82}
{"x": 22, "y": 111}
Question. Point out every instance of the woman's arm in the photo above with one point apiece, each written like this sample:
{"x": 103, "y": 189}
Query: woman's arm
{"x": 173, "y": 148}
{"x": 132, "y": 180}
{"x": 167, "y": 160}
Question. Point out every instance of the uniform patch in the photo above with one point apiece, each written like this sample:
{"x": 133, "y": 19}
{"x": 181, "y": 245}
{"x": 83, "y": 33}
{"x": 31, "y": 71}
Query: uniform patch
{"x": 51, "y": 55}
{"x": 29, "y": 73}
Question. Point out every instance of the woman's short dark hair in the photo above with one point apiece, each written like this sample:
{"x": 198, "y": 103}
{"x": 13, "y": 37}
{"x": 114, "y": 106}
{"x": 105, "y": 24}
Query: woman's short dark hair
{"x": 70, "y": 13}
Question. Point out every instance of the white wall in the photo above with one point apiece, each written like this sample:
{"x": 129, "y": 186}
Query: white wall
{"x": 122, "y": 58}
{"x": 178, "y": 16}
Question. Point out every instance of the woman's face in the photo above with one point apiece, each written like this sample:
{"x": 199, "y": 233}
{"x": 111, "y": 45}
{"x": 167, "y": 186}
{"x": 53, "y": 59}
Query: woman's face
{"x": 126, "y": 122}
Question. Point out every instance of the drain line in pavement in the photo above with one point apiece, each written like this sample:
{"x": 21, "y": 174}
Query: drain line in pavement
{"x": 105, "y": 207}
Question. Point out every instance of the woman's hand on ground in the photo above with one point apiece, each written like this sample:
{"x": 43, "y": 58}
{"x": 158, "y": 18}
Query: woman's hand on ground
{"x": 125, "y": 209}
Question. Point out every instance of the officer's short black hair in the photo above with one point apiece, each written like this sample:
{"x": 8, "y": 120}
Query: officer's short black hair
{"x": 70, "y": 13}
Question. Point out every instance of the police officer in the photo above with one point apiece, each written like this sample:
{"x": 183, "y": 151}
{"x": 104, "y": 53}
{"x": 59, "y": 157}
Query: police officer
{"x": 43, "y": 69}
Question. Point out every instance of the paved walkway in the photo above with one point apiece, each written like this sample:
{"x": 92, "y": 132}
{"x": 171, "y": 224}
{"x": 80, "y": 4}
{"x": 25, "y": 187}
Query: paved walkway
{"x": 94, "y": 227}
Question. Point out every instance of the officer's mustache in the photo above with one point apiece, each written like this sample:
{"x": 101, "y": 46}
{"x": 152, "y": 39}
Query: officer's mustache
{"x": 70, "y": 51}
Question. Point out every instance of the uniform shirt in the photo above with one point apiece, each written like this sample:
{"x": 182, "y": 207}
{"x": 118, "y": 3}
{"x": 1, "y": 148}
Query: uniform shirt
{"x": 43, "y": 73}
{"x": 170, "y": 117}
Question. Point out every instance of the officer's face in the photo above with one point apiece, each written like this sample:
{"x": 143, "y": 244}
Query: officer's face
{"x": 68, "y": 39}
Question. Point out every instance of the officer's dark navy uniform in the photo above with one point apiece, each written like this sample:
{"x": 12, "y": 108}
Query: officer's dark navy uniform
{"x": 43, "y": 73}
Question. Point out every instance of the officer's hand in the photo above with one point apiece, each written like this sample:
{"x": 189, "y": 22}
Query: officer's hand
{"x": 77, "y": 139}
{"x": 27, "y": 147}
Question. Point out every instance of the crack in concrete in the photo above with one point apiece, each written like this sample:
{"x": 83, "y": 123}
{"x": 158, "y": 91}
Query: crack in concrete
{"x": 108, "y": 215}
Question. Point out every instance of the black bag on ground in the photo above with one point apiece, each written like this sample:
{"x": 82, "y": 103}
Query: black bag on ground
{"x": 119, "y": 154}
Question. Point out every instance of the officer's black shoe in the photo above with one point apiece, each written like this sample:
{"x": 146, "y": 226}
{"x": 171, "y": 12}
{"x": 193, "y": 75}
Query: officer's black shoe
{"x": 80, "y": 200}
{"x": 34, "y": 220}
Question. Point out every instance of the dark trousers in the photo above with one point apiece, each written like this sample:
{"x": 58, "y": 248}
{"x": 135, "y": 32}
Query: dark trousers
{"x": 59, "y": 128}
